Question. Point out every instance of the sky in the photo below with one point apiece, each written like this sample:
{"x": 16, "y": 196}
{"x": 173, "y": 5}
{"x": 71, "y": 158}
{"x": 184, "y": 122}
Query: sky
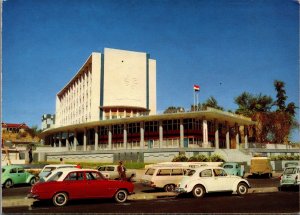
{"x": 226, "y": 46}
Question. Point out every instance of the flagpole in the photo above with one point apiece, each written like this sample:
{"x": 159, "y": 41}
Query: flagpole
{"x": 194, "y": 100}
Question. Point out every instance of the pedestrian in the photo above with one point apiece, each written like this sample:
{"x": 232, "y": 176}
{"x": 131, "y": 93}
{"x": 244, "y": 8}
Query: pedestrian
{"x": 121, "y": 171}
{"x": 61, "y": 161}
{"x": 30, "y": 155}
{"x": 78, "y": 166}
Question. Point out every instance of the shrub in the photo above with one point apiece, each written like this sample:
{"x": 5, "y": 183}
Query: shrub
{"x": 216, "y": 158}
{"x": 180, "y": 158}
{"x": 202, "y": 158}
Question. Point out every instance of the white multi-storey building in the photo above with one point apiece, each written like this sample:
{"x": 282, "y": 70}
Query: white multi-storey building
{"x": 116, "y": 84}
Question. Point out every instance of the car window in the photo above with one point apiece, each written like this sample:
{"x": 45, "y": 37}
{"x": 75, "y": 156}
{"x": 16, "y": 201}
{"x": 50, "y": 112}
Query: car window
{"x": 149, "y": 172}
{"x": 14, "y": 170}
{"x": 163, "y": 172}
{"x": 3, "y": 170}
{"x": 177, "y": 172}
{"x": 55, "y": 177}
{"x": 92, "y": 176}
{"x": 219, "y": 172}
{"x": 289, "y": 171}
{"x": 110, "y": 168}
{"x": 190, "y": 172}
{"x": 101, "y": 168}
{"x": 74, "y": 176}
{"x": 21, "y": 170}
{"x": 227, "y": 166}
{"x": 206, "y": 173}
{"x": 49, "y": 169}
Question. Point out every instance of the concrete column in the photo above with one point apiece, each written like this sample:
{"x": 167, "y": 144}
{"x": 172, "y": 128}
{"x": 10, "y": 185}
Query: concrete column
{"x": 227, "y": 136}
{"x": 205, "y": 133}
{"x": 142, "y": 134}
{"x": 125, "y": 136}
{"x": 181, "y": 134}
{"x": 75, "y": 140}
{"x": 67, "y": 141}
{"x": 54, "y": 140}
{"x": 161, "y": 133}
{"x": 96, "y": 138}
{"x": 109, "y": 137}
{"x": 216, "y": 124}
{"x": 59, "y": 139}
{"x": 84, "y": 139}
{"x": 117, "y": 113}
{"x": 246, "y": 136}
{"x": 237, "y": 136}
{"x": 110, "y": 114}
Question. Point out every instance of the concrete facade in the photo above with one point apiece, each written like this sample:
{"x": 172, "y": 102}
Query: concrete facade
{"x": 116, "y": 84}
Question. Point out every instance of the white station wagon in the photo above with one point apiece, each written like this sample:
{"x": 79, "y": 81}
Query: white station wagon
{"x": 211, "y": 179}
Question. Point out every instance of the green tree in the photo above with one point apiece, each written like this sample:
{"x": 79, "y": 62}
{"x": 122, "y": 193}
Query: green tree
{"x": 281, "y": 95}
{"x": 211, "y": 102}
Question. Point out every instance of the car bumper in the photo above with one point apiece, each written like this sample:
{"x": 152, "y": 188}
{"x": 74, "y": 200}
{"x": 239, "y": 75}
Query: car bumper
{"x": 180, "y": 190}
{"x": 32, "y": 196}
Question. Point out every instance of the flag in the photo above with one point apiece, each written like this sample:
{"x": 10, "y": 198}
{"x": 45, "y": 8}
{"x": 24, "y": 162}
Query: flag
{"x": 196, "y": 87}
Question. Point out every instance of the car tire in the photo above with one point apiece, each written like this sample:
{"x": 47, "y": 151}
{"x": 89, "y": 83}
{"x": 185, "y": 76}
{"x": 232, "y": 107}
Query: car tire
{"x": 8, "y": 183}
{"x": 32, "y": 181}
{"x": 121, "y": 196}
{"x": 169, "y": 188}
{"x": 242, "y": 189}
{"x": 198, "y": 191}
{"x": 60, "y": 199}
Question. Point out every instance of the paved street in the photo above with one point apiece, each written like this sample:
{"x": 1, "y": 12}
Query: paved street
{"x": 278, "y": 202}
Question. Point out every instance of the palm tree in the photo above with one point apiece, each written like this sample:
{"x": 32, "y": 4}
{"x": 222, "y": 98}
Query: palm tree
{"x": 211, "y": 102}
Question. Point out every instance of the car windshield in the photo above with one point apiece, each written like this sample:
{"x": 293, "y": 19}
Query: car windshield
{"x": 190, "y": 172}
{"x": 150, "y": 172}
{"x": 55, "y": 177}
{"x": 289, "y": 171}
{"x": 228, "y": 166}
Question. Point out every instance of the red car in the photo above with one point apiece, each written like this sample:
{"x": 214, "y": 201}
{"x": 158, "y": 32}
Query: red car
{"x": 72, "y": 183}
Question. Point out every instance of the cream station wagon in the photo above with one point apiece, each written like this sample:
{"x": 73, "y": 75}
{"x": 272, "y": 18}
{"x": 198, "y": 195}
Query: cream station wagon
{"x": 211, "y": 179}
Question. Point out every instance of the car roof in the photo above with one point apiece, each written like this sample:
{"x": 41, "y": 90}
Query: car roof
{"x": 59, "y": 165}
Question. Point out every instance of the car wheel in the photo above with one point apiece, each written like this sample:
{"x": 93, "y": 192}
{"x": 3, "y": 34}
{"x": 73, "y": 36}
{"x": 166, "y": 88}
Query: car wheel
{"x": 121, "y": 196}
{"x": 32, "y": 181}
{"x": 60, "y": 199}
{"x": 8, "y": 183}
{"x": 242, "y": 189}
{"x": 169, "y": 188}
{"x": 198, "y": 191}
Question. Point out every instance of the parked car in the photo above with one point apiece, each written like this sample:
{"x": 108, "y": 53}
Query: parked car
{"x": 261, "y": 166}
{"x": 14, "y": 174}
{"x": 211, "y": 179}
{"x": 290, "y": 177}
{"x": 166, "y": 177}
{"x": 291, "y": 163}
{"x": 111, "y": 172}
{"x": 73, "y": 183}
{"x": 233, "y": 168}
{"x": 49, "y": 168}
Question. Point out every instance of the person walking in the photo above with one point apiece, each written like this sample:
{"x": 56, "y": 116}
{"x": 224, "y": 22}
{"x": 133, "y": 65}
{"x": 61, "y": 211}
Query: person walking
{"x": 30, "y": 155}
{"x": 121, "y": 171}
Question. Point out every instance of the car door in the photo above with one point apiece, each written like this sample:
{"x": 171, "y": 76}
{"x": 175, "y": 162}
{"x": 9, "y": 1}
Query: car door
{"x": 75, "y": 185}
{"x": 222, "y": 181}
{"x": 206, "y": 178}
{"x": 21, "y": 175}
{"x": 97, "y": 186}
